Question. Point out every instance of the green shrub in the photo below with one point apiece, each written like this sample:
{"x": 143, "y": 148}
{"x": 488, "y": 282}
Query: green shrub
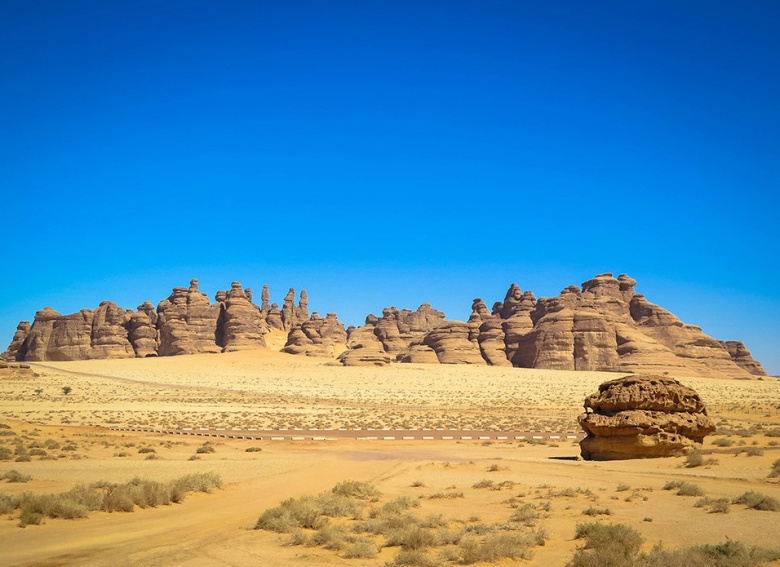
{"x": 757, "y": 501}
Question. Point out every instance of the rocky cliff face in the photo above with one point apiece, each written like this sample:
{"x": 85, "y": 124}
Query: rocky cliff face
{"x": 317, "y": 337}
{"x": 742, "y": 357}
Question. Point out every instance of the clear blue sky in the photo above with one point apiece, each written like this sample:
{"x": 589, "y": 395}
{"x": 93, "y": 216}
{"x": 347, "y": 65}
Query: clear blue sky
{"x": 390, "y": 153}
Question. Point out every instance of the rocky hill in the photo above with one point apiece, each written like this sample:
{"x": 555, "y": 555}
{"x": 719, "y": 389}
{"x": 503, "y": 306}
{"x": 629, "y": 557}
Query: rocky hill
{"x": 602, "y": 325}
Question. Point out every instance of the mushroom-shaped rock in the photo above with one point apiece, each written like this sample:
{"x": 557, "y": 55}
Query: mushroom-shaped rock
{"x": 643, "y": 416}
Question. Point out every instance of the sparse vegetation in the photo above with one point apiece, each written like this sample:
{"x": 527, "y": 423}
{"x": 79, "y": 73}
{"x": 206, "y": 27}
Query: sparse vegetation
{"x": 15, "y": 476}
{"x": 758, "y": 501}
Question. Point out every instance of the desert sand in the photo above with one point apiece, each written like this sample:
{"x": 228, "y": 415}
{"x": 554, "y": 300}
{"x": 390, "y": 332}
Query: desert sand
{"x": 267, "y": 389}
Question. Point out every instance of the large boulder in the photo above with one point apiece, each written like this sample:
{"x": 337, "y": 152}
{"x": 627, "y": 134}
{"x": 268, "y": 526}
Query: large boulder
{"x": 643, "y": 416}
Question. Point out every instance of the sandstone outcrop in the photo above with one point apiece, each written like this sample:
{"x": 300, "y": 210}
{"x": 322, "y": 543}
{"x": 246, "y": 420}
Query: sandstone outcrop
{"x": 22, "y": 330}
{"x": 142, "y": 330}
{"x": 187, "y": 323}
{"x": 317, "y": 337}
{"x": 15, "y": 370}
{"x": 241, "y": 325}
{"x": 601, "y": 325}
{"x": 454, "y": 342}
{"x": 643, "y": 416}
{"x": 363, "y": 348}
{"x": 742, "y": 357}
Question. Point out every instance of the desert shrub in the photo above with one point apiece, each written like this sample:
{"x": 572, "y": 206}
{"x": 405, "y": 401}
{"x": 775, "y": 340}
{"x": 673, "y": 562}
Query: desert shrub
{"x": 398, "y": 505}
{"x": 71, "y": 447}
{"x": 714, "y": 505}
{"x": 485, "y": 483}
{"x": 723, "y": 442}
{"x": 525, "y": 514}
{"x": 728, "y": 554}
{"x": 16, "y": 476}
{"x": 775, "y": 472}
{"x": 694, "y": 459}
{"x": 253, "y": 449}
{"x": 292, "y": 513}
{"x": 495, "y": 547}
{"x": 24, "y": 458}
{"x": 413, "y": 558}
{"x": 751, "y": 451}
{"x": 360, "y": 550}
{"x": 591, "y": 511}
{"x": 6, "y": 504}
{"x": 434, "y": 521}
{"x": 774, "y": 432}
{"x": 196, "y": 482}
{"x": 336, "y": 505}
{"x": 445, "y": 495}
{"x": 205, "y": 448}
{"x": 37, "y": 452}
{"x": 27, "y": 518}
{"x": 622, "y": 487}
{"x": 51, "y": 444}
{"x": 5, "y": 454}
{"x": 685, "y": 488}
{"x": 298, "y": 537}
{"x": 625, "y": 540}
{"x": 418, "y": 484}
{"x": 357, "y": 489}
{"x": 330, "y": 537}
{"x": 757, "y": 501}
{"x": 411, "y": 537}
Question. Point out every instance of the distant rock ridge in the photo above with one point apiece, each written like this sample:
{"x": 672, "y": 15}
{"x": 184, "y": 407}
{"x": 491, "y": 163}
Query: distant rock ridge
{"x": 186, "y": 322}
{"x": 601, "y": 325}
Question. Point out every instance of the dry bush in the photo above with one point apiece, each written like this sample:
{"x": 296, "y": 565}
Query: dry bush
{"x": 495, "y": 547}
{"x": 775, "y": 472}
{"x": 16, "y": 476}
{"x": 757, "y": 501}
{"x": 714, "y": 505}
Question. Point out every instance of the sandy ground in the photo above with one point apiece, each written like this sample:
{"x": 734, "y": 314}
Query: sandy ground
{"x": 268, "y": 389}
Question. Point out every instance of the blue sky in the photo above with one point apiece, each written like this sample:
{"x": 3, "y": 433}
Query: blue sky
{"x": 390, "y": 153}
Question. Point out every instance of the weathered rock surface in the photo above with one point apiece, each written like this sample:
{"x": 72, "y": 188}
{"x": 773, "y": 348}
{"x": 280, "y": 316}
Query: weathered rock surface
{"x": 142, "y": 330}
{"x": 317, "y": 337}
{"x": 363, "y": 348}
{"x": 186, "y": 322}
{"x": 37, "y": 341}
{"x": 454, "y": 343}
{"x": 241, "y": 323}
{"x": 643, "y": 416}
{"x": 742, "y": 357}
{"x": 22, "y": 330}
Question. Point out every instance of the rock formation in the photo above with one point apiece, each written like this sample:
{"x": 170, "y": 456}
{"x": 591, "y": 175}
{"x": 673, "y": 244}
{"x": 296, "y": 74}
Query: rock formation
{"x": 601, "y": 325}
{"x": 187, "y": 322}
{"x": 15, "y": 370}
{"x": 742, "y": 357}
{"x": 142, "y": 330}
{"x": 643, "y": 416}
{"x": 363, "y": 348}
{"x": 12, "y": 352}
{"x": 317, "y": 337}
{"x": 241, "y": 323}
